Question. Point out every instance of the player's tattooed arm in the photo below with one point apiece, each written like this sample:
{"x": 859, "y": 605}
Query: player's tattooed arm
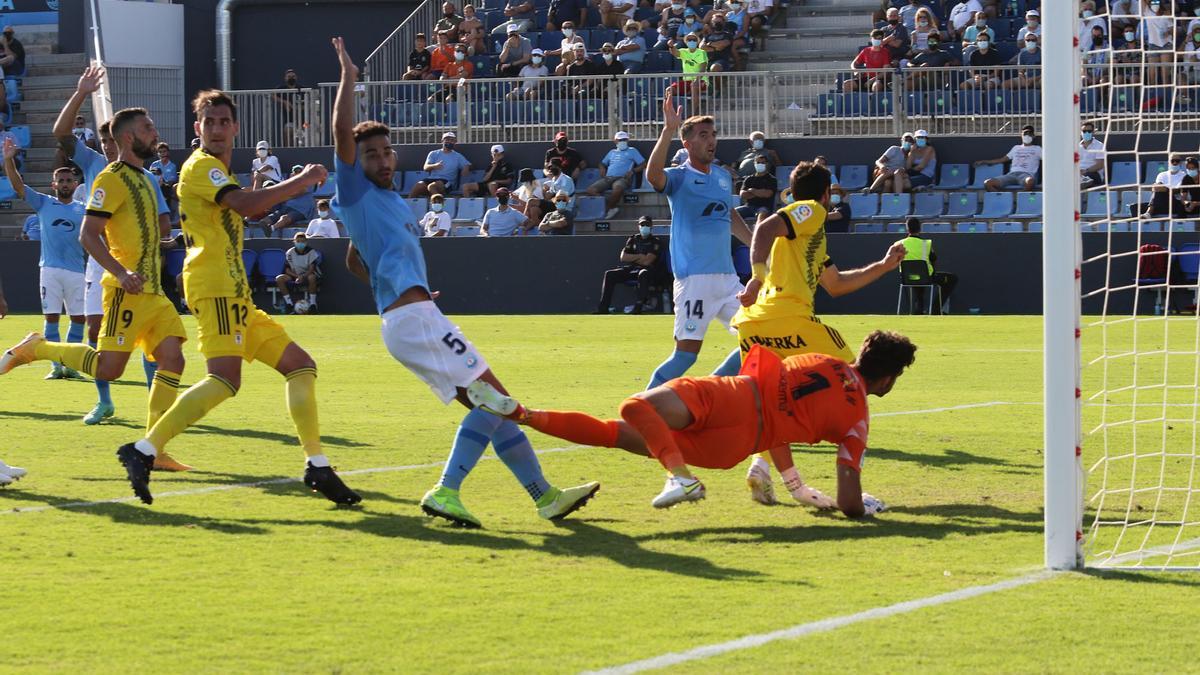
{"x": 355, "y": 264}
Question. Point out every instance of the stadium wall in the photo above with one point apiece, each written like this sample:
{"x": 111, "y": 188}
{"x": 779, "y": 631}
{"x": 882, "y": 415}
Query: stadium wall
{"x": 998, "y": 273}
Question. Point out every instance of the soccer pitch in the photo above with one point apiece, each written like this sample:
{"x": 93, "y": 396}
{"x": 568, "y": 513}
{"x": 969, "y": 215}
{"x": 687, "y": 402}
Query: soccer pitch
{"x": 238, "y": 568}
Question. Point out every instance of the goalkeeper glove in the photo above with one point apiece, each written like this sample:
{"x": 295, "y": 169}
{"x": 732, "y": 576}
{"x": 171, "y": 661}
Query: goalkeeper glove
{"x": 803, "y": 493}
{"x": 872, "y": 505}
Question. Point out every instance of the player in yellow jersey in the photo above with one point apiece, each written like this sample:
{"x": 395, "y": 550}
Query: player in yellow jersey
{"x": 231, "y": 328}
{"x": 788, "y": 256}
{"x": 123, "y": 210}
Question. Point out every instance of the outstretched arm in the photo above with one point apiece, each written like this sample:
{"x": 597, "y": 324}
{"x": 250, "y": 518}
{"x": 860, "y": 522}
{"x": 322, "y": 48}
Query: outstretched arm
{"x": 343, "y": 106}
{"x": 10, "y": 167}
{"x": 837, "y": 282}
{"x": 252, "y": 202}
{"x": 850, "y": 495}
{"x": 764, "y": 238}
{"x": 657, "y": 164}
{"x": 89, "y": 83}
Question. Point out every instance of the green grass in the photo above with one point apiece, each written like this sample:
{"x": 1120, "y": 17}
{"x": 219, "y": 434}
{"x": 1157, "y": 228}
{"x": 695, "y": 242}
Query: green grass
{"x": 274, "y": 578}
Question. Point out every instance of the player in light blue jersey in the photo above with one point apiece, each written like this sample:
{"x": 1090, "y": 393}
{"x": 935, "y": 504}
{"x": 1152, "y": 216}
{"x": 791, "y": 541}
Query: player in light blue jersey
{"x": 702, "y": 220}
{"x": 63, "y": 258}
{"x": 385, "y": 252}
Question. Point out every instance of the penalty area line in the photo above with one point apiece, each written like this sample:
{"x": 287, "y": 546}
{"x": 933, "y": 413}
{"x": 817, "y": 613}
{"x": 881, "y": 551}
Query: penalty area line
{"x": 822, "y": 626}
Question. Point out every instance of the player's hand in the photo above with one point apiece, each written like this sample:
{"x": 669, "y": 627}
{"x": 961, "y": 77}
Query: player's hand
{"x": 89, "y": 82}
{"x": 872, "y": 505}
{"x": 747, "y": 296}
{"x": 810, "y": 495}
{"x": 314, "y": 174}
{"x": 344, "y": 58}
{"x": 672, "y": 116}
{"x": 131, "y": 282}
{"x": 895, "y": 254}
{"x": 10, "y": 148}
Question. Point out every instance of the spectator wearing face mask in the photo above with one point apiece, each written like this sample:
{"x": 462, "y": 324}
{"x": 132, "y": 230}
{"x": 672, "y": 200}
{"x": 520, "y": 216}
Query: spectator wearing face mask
{"x": 691, "y": 25}
{"x": 718, "y": 42}
{"x": 616, "y": 172}
{"x": 1096, "y": 59}
{"x": 970, "y": 36}
{"x": 436, "y": 222}
{"x": 639, "y": 261}
{"x": 758, "y": 191}
{"x": 1026, "y": 161}
{"x": 533, "y": 76}
{"x": 503, "y": 220}
{"x": 562, "y": 12}
{"x": 530, "y": 197}
{"x": 323, "y": 226}
{"x": 83, "y": 133}
{"x": 446, "y": 168}
{"x": 838, "y": 215}
{"x": 909, "y": 13}
{"x": 961, "y": 15}
{"x": 1088, "y": 20}
{"x": 558, "y": 182}
{"x": 669, "y": 22}
{"x": 515, "y": 54}
{"x": 560, "y": 219}
{"x": 441, "y": 55}
{"x": 631, "y": 51}
{"x": 1127, "y": 59}
{"x": 302, "y": 271}
{"x": 566, "y": 48}
{"x": 896, "y": 38}
{"x": 569, "y": 158}
{"x": 471, "y": 32}
{"x": 1189, "y": 194}
{"x": 983, "y": 62}
{"x": 289, "y": 103}
{"x": 1157, "y": 31}
{"x": 499, "y": 174}
{"x": 1091, "y": 157}
{"x": 265, "y": 166}
{"x": 1190, "y": 54}
{"x": 890, "y": 172}
{"x": 607, "y": 63}
{"x": 926, "y": 25}
{"x": 756, "y": 148}
{"x": 918, "y": 75}
{"x": 419, "y": 60}
{"x": 459, "y": 69}
{"x": 576, "y": 66}
{"x": 1033, "y": 25}
{"x": 693, "y": 60}
{"x": 920, "y": 166}
{"x": 1167, "y": 198}
{"x": 870, "y": 67}
{"x": 1030, "y": 76}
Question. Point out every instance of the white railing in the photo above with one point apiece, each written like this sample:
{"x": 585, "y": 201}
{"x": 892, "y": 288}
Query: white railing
{"x": 389, "y": 61}
{"x": 284, "y": 118}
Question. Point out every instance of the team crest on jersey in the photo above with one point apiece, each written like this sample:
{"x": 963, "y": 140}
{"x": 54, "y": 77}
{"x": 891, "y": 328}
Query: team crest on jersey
{"x": 691, "y": 326}
{"x": 471, "y": 361}
{"x": 218, "y": 177}
{"x": 237, "y": 338}
{"x": 97, "y": 199}
{"x": 724, "y": 182}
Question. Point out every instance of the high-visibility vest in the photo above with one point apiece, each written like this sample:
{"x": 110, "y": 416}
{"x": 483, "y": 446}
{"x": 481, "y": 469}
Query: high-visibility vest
{"x": 916, "y": 248}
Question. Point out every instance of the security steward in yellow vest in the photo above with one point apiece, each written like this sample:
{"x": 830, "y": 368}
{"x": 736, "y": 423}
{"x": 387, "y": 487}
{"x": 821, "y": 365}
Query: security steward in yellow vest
{"x": 922, "y": 249}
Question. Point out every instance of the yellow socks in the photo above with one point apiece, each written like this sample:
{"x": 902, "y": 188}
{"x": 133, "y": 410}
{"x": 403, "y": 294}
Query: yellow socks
{"x": 192, "y": 405}
{"x": 302, "y": 404}
{"x": 77, "y": 356}
{"x": 163, "y": 392}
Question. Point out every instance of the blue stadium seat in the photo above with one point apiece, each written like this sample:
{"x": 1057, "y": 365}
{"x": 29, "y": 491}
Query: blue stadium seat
{"x": 970, "y": 227}
{"x": 419, "y": 206}
{"x": 936, "y": 228}
{"x": 853, "y": 177}
{"x": 1153, "y": 169}
{"x": 7, "y": 193}
{"x": 475, "y": 176}
{"x": 828, "y": 105}
{"x": 584, "y": 111}
{"x": 962, "y": 205}
{"x": 868, "y": 228}
{"x": 22, "y": 136}
{"x": 587, "y": 177}
{"x": 954, "y": 176}
{"x": 411, "y": 178}
{"x": 12, "y": 91}
{"x": 864, "y": 205}
{"x": 997, "y": 205}
{"x": 659, "y": 62}
{"x": 1124, "y": 173}
{"x": 327, "y": 189}
{"x": 598, "y": 36}
{"x": 589, "y": 208}
{"x": 1029, "y": 205}
{"x": 1007, "y": 226}
{"x": 1023, "y": 101}
{"x": 174, "y": 262}
{"x": 550, "y": 40}
{"x": 928, "y": 205}
{"x": 464, "y": 231}
{"x": 271, "y": 262}
{"x": 1035, "y": 226}
{"x": 469, "y": 209}
{"x": 451, "y": 207}
{"x": 1097, "y": 205}
{"x": 892, "y": 206}
{"x": 896, "y": 228}
{"x": 249, "y": 263}
{"x": 983, "y": 173}
{"x": 1183, "y": 226}
{"x": 1150, "y": 226}
{"x": 782, "y": 174}
{"x": 1134, "y": 199}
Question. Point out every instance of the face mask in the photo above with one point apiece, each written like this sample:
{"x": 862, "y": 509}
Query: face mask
{"x": 690, "y": 20}
{"x": 631, "y": 33}
{"x": 835, "y": 199}
{"x": 537, "y": 60}
{"x": 757, "y": 143}
{"x": 906, "y": 146}
{"x": 1130, "y": 35}
{"x": 921, "y": 142}
{"x": 301, "y": 246}
{"x": 1155, "y": 8}
{"x": 437, "y": 208}
{"x": 1032, "y": 24}
{"x": 983, "y": 45}
{"x": 1031, "y": 46}
{"x": 459, "y": 56}
{"x": 760, "y": 168}
{"x": 1196, "y": 37}
{"x": 622, "y": 145}
{"x": 322, "y": 214}
{"x": 447, "y": 146}
{"x": 645, "y": 230}
{"x": 1027, "y": 139}
{"x": 735, "y": 7}
{"x": 561, "y": 144}
{"x": 692, "y": 44}
{"x": 893, "y": 21}
{"x": 1087, "y": 136}
{"x": 568, "y": 32}
{"x": 982, "y": 23}
{"x": 875, "y": 42}
{"x": 922, "y": 23}
{"x": 1175, "y": 168}
{"x": 1192, "y": 173}
{"x": 562, "y": 206}
{"x": 502, "y": 200}
{"x": 787, "y": 199}
{"x": 608, "y": 57}
{"x": 677, "y": 8}
{"x": 1087, "y": 13}
{"x": 262, "y": 154}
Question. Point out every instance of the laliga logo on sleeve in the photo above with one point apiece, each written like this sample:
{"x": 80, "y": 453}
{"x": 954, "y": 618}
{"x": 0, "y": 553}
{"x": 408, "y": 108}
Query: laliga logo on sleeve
{"x": 805, "y": 212}
{"x": 98, "y": 198}
{"x": 218, "y": 177}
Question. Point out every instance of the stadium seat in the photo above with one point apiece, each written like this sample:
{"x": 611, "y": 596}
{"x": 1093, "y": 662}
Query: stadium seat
{"x": 782, "y": 175}
{"x": 1124, "y": 173}
{"x": 250, "y": 262}
{"x": 854, "y": 177}
{"x": 451, "y": 207}
{"x": 936, "y": 228}
{"x": 419, "y": 206}
{"x": 327, "y": 189}
{"x": 1007, "y": 226}
{"x": 464, "y": 231}
{"x": 970, "y": 227}
{"x": 864, "y": 205}
{"x": 868, "y": 228}
{"x": 1153, "y": 169}
{"x": 21, "y": 135}
{"x": 1029, "y": 205}
{"x": 469, "y": 210}
{"x": 1148, "y": 226}
{"x": 589, "y": 208}
{"x": 997, "y": 205}
{"x": 1132, "y": 199}
{"x": 411, "y": 178}
{"x": 1035, "y": 226}
{"x": 1188, "y": 257}
{"x": 661, "y": 230}
{"x": 896, "y": 228}
{"x": 892, "y": 206}
{"x": 1183, "y": 226}
{"x": 927, "y": 205}
{"x": 962, "y": 205}
{"x": 490, "y": 203}
{"x": 983, "y": 173}
{"x": 587, "y": 177}
{"x": 954, "y": 177}
{"x": 12, "y": 91}
{"x": 1097, "y": 205}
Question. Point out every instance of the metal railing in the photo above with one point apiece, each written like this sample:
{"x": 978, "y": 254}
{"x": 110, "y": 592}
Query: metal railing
{"x": 389, "y": 61}
{"x": 822, "y": 103}
{"x": 284, "y": 118}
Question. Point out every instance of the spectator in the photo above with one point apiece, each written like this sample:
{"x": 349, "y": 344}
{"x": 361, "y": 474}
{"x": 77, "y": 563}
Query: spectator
{"x": 1087, "y": 21}
{"x": 1190, "y": 194}
{"x": 692, "y": 59}
{"x": 170, "y": 178}
{"x": 668, "y": 25}
{"x": 824, "y": 164}
{"x": 758, "y": 191}
{"x": 566, "y": 48}
{"x": 503, "y": 220}
{"x": 681, "y": 157}
{"x": 443, "y": 54}
{"x": 616, "y": 13}
{"x": 436, "y": 222}
{"x": 920, "y": 167}
{"x": 298, "y": 209}
{"x": 691, "y": 25}
{"x": 302, "y": 270}
{"x": 1026, "y": 162}
{"x": 449, "y": 22}
{"x": 1091, "y": 157}
{"x": 926, "y": 25}
{"x": 608, "y": 63}
{"x": 616, "y": 172}
{"x": 446, "y": 168}
{"x": 1127, "y": 60}
{"x": 534, "y": 76}
{"x": 631, "y": 51}
{"x": 289, "y": 102}
{"x": 758, "y": 146}
{"x": 639, "y": 261}
{"x": 921, "y": 250}
{"x": 83, "y": 133}
{"x": 560, "y": 219}
{"x": 419, "y": 61}
{"x": 1158, "y": 30}
{"x": 471, "y": 32}
{"x": 1030, "y": 76}
{"x": 1033, "y": 25}
{"x": 323, "y": 226}
{"x": 1191, "y": 56}
{"x": 13, "y": 61}
{"x": 32, "y": 229}
{"x": 517, "y": 52}
{"x": 895, "y": 37}
{"x": 265, "y": 165}
{"x": 499, "y": 174}
{"x": 718, "y": 42}
{"x": 562, "y": 12}
{"x": 762, "y": 15}
{"x": 838, "y": 215}
{"x": 1167, "y": 199}
{"x": 918, "y": 76}
{"x": 575, "y": 64}
{"x": 530, "y": 197}
{"x": 520, "y": 14}
{"x": 983, "y": 61}
{"x": 910, "y": 12}
{"x": 871, "y": 67}
{"x": 458, "y": 69}
{"x": 1096, "y": 59}
{"x": 970, "y": 37}
{"x": 572, "y": 162}
{"x": 890, "y": 174}
{"x": 961, "y": 16}
{"x": 558, "y": 182}
{"x": 736, "y": 17}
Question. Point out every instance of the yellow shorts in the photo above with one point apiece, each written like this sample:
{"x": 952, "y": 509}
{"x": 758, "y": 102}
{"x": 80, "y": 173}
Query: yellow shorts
{"x": 235, "y": 327}
{"x": 792, "y": 336}
{"x": 141, "y": 321}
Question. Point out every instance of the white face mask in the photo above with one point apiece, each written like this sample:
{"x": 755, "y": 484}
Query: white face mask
{"x": 983, "y": 45}
{"x": 562, "y": 206}
{"x": 608, "y": 58}
{"x": 568, "y": 32}
{"x": 876, "y": 42}
{"x": 677, "y": 8}
{"x": 760, "y": 168}
{"x": 1027, "y": 139}
{"x": 981, "y": 23}
{"x": 690, "y": 20}
{"x": 735, "y": 7}
{"x": 1176, "y": 168}
{"x": 622, "y": 145}
{"x": 1087, "y": 13}
{"x": 436, "y": 208}
{"x": 537, "y": 60}
{"x": 1130, "y": 35}
{"x": 459, "y": 56}
{"x": 645, "y": 230}
{"x": 262, "y": 154}
{"x": 322, "y": 214}
{"x": 757, "y": 143}
{"x": 692, "y": 44}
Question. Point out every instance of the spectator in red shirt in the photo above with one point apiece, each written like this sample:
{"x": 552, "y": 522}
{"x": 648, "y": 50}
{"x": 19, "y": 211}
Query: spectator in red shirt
{"x": 874, "y": 62}
{"x": 459, "y": 68}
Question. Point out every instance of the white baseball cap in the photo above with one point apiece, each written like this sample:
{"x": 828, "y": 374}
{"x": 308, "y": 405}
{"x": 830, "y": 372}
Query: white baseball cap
{"x": 262, "y": 145}
{"x": 497, "y": 148}
{"x": 921, "y": 133}
{"x": 449, "y": 134}
{"x": 621, "y": 136}
{"x": 1033, "y": 12}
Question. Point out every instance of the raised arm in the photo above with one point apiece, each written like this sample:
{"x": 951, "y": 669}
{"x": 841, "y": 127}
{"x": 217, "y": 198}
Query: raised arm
{"x": 760, "y": 249}
{"x": 89, "y": 83}
{"x": 10, "y": 167}
{"x": 343, "y": 107}
{"x": 253, "y": 202}
{"x": 656, "y": 166}
{"x": 837, "y": 282}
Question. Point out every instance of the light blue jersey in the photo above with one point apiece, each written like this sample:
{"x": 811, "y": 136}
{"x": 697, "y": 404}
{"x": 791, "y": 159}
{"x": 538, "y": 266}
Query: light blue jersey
{"x": 92, "y": 163}
{"x": 383, "y": 230}
{"x": 60, "y": 231}
{"x": 701, "y": 204}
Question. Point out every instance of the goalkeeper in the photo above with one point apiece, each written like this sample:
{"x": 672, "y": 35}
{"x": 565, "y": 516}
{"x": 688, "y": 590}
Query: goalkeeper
{"x": 717, "y": 422}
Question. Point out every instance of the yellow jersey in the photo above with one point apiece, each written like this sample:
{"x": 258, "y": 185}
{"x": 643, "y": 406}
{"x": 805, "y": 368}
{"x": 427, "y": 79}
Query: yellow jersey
{"x": 213, "y": 267}
{"x": 126, "y": 198}
{"x": 794, "y": 267}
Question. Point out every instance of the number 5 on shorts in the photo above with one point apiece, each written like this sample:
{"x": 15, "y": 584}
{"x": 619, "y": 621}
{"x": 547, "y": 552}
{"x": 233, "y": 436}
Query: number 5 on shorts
{"x": 456, "y": 345}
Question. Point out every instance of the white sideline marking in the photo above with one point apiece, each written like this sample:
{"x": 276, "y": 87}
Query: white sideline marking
{"x": 822, "y": 626}
{"x": 965, "y": 406}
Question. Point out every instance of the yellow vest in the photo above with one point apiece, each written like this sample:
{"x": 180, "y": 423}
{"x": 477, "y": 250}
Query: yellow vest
{"x": 917, "y": 248}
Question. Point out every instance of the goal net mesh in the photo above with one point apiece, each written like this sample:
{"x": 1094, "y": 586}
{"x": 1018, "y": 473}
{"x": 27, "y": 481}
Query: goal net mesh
{"x": 1138, "y": 253}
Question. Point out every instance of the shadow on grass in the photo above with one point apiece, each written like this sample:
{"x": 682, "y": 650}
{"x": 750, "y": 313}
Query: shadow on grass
{"x": 135, "y": 514}
{"x": 1187, "y": 579}
{"x": 65, "y": 417}
{"x": 953, "y": 460}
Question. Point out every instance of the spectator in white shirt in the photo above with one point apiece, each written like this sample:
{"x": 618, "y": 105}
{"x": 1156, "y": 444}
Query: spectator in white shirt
{"x": 436, "y": 222}
{"x": 1167, "y": 198}
{"x": 84, "y": 134}
{"x": 1026, "y": 161}
{"x": 533, "y": 76}
{"x": 265, "y": 166}
{"x": 1087, "y": 20}
{"x": 1033, "y": 24}
{"x": 961, "y": 16}
{"x": 1091, "y": 157}
{"x": 323, "y": 225}
{"x": 1158, "y": 37}
{"x": 302, "y": 271}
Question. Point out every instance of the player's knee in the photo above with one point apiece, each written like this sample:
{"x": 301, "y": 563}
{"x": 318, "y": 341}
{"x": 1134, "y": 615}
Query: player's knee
{"x": 634, "y": 409}
{"x": 108, "y": 370}
{"x": 173, "y": 363}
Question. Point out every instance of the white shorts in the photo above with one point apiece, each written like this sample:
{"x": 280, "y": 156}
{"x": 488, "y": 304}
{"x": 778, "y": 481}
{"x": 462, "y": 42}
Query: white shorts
{"x": 61, "y": 287}
{"x": 93, "y": 298}
{"x": 419, "y": 336}
{"x": 703, "y": 298}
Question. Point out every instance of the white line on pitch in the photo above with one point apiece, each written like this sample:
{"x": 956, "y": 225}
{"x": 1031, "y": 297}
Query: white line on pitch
{"x": 1155, "y": 552}
{"x": 822, "y": 626}
{"x": 965, "y": 406}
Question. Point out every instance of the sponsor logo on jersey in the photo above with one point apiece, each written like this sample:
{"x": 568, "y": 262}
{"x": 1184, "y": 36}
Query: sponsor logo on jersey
{"x": 218, "y": 177}
{"x": 97, "y": 198}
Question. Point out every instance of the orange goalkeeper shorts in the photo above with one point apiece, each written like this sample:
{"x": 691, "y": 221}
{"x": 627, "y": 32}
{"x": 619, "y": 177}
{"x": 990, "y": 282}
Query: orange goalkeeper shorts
{"x": 727, "y": 426}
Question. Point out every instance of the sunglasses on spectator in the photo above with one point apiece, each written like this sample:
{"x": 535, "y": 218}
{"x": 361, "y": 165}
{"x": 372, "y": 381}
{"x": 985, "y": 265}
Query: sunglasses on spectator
{"x": 1174, "y": 161}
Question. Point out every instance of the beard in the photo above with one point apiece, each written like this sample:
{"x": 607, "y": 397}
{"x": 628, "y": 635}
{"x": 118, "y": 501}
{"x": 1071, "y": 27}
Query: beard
{"x": 145, "y": 151}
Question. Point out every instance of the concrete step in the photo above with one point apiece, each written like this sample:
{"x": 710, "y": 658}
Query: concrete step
{"x": 798, "y": 18}
{"x": 36, "y": 82}
{"x": 37, "y": 34}
{"x": 47, "y": 105}
{"x": 42, "y": 121}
